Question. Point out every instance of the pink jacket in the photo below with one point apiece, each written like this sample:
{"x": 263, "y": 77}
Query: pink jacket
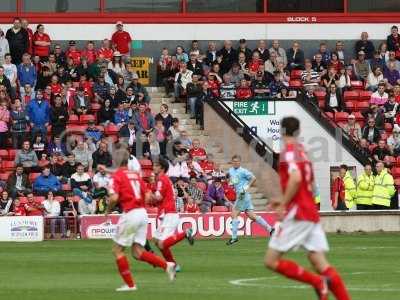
{"x": 4, "y": 119}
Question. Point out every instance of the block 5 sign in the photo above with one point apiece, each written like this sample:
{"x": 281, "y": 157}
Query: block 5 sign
{"x": 253, "y": 108}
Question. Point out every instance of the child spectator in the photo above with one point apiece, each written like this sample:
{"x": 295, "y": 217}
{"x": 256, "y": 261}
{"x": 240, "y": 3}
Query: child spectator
{"x": 243, "y": 92}
{"x": 5, "y": 204}
{"x": 18, "y": 209}
{"x": 213, "y": 84}
{"x": 191, "y": 207}
{"x": 196, "y": 152}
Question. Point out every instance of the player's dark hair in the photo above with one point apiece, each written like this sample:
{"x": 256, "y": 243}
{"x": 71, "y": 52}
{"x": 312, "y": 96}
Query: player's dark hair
{"x": 164, "y": 164}
{"x": 290, "y": 126}
{"x": 344, "y": 167}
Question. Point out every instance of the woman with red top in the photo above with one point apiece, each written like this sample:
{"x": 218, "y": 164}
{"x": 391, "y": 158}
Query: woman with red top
{"x": 191, "y": 207}
{"x": 41, "y": 43}
{"x": 255, "y": 64}
{"x": 335, "y": 62}
{"x": 105, "y": 51}
{"x": 90, "y": 52}
{"x": 243, "y": 92}
{"x": 55, "y": 85}
{"x": 213, "y": 84}
{"x": 87, "y": 86}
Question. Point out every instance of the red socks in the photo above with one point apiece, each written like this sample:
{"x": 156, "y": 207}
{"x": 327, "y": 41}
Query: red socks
{"x": 336, "y": 286}
{"x": 173, "y": 239}
{"x": 294, "y": 271}
{"x": 123, "y": 267}
{"x": 153, "y": 259}
{"x": 166, "y": 252}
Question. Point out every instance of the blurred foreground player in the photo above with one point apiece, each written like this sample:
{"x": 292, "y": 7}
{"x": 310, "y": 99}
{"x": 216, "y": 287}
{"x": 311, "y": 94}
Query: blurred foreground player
{"x": 129, "y": 190}
{"x": 300, "y": 226}
{"x": 167, "y": 234}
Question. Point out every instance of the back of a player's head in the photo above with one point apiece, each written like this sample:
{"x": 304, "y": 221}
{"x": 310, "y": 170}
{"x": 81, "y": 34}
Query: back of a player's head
{"x": 290, "y": 126}
{"x": 121, "y": 156}
{"x": 163, "y": 164}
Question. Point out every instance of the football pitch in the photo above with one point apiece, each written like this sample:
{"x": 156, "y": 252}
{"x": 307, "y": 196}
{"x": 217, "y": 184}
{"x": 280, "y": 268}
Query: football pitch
{"x": 74, "y": 270}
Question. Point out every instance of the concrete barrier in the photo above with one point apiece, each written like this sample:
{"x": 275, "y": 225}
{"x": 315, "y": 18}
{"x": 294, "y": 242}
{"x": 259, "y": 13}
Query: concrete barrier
{"x": 361, "y": 221}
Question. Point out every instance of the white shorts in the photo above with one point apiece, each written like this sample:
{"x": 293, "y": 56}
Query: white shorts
{"x": 293, "y": 234}
{"x": 167, "y": 227}
{"x": 132, "y": 228}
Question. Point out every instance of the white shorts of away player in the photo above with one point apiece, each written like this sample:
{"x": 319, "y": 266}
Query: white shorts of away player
{"x": 167, "y": 227}
{"x": 132, "y": 228}
{"x": 293, "y": 234}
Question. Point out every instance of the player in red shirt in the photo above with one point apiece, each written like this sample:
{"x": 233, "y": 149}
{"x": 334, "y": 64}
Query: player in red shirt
{"x": 122, "y": 40}
{"x": 41, "y": 43}
{"x": 129, "y": 190}
{"x": 300, "y": 226}
{"x": 166, "y": 235}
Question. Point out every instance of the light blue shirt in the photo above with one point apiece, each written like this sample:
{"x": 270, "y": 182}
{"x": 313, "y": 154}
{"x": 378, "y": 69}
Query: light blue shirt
{"x": 239, "y": 178}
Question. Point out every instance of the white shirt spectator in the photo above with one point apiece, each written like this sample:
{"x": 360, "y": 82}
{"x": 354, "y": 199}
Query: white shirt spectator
{"x": 178, "y": 170}
{"x": 185, "y": 78}
{"x": 52, "y": 208}
{"x": 374, "y": 80}
{"x": 101, "y": 180}
{"x": 10, "y": 70}
{"x": 333, "y": 102}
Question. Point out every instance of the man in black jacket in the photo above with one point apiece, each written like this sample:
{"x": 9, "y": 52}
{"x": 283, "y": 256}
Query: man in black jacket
{"x": 226, "y": 57}
{"x": 18, "y": 182}
{"x": 18, "y": 40}
{"x": 333, "y": 100}
{"x": 194, "y": 65}
{"x": 6, "y": 82}
{"x": 58, "y": 117}
{"x": 102, "y": 157}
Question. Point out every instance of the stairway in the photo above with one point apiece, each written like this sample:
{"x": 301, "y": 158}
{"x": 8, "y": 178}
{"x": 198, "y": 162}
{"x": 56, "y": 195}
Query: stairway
{"x": 211, "y": 145}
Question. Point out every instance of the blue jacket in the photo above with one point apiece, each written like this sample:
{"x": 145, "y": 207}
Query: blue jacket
{"x": 121, "y": 117}
{"x": 138, "y": 121}
{"x": 45, "y": 184}
{"x": 27, "y": 74}
{"x": 39, "y": 114}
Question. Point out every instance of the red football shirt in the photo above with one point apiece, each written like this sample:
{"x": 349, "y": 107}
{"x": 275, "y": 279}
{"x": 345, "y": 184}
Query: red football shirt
{"x": 293, "y": 157}
{"x": 75, "y": 55}
{"x": 56, "y": 88}
{"x": 191, "y": 208}
{"x": 41, "y": 51}
{"x": 36, "y": 210}
{"x": 197, "y": 152}
{"x": 121, "y": 39}
{"x": 90, "y": 55}
{"x": 106, "y": 53}
{"x": 130, "y": 188}
{"x": 166, "y": 189}
{"x": 207, "y": 166}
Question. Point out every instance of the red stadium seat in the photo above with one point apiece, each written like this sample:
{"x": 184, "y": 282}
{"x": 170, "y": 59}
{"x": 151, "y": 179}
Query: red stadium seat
{"x": 295, "y": 74}
{"x": 76, "y": 129}
{"x": 320, "y": 95}
{"x": 329, "y": 115}
{"x": 392, "y": 160}
{"x": 84, "y": 119}
{"x": 359, "y": 116}
{"x": 73, "y": 120}
{"x": 12, "y": 153}
{"x": 372, "y": 147}
{"x": 351, "y": 95}
{"x": 152, "y": 210}
{"x": 111, "y": 129}
{"x": 362, "y": 105}
{"x": 39, "y": 199}
{"x": 341, "y": 124}
{"x": 4, "y": 176}
{"x": 295, "y": 84}
{"x": 95, "y": 107}
{"x": 23, "y": 200}
{"x": 202, "y": 186}
{"x": 3, "y": 154}
{"x": 66, "y": 187}
{"x": 396, "y": 172}
{"x": 357, "y": 84}
{"x": 341, "y": 116}
{"x": 33, "y": 176}
{"x": 398, "y": 161}
{"x": 350, "y": 105}
{"x": 365, "y": 95}
{"x": 59, "y": 198}
{"x": 8, "y": 165}
{"x": 321, "y": 104}
{"x": 388, "y": 127}
{"x": 220, "y": 209}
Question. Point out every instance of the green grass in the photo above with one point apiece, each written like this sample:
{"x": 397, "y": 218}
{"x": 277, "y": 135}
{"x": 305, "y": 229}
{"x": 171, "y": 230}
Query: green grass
{"x": 74, "y": 270}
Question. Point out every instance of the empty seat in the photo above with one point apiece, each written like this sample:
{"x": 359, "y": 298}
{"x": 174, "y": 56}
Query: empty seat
{"x": 76, "y": 129}
{"x": 4, "y": 176}
{"x": 111, "y": 129}
{"x": 59, "y": 198}
{"x": 8, "y": 165}
{"x": 320, "y": 95}
{"x": 3, "y": 153}
{"x": 73, "y": 120}
{"x": 362, "y": 105}
{"x": 341, "y": 116}
{"x": 351, "y": 95}
{"x": 12, "y": 153}
{"x": 321, "y": 104}
{"x": 33, "y": 176}
{"x": 152, "y": 210}
{"x": 295, "y": 83}
{"x": 66, "y": 187}
{"x": 357, "y": 84}
{"x": 95, "y": 107}
{"x": 84, "y": 119}
{"x": 365, "y": 95}
{"x": 39, "y": 199}
{"x": 350, "y": 105}
{"x": 396, "y": 172}
{"x": 220, "y": 209}
{"x": 295, "y": 74}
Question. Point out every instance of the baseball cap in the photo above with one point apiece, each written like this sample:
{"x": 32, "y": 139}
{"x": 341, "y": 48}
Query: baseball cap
{"x": 135, "y": 76}
{"x": 119, "y": 23}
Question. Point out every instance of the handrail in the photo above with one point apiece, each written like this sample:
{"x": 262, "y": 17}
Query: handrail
{"x": 242, "y": 129}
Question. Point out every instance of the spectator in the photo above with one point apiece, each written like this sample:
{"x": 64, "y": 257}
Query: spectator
{"x": 323, "y": 51}
{"x": 27, "y": 74}
{"x": 236, "y": 74}
{"x": 338, "y": 190}
{"x": 46, "y": 182}
{"x": 18, "y": 182}
{"x": 4, "y": 81}
{"x": 271, "y": 63}
{"x": 105, "y": 52}
{"x": 377, "y": 61}
{"x": 329, "y": 78}
{"x": 381, "y": 152}
{"x": 181, "y": 55}
{"x": 391, "y": 75}
{"x": 154, "y": 146}
{"x": 361, "y": 66}
{"x": 365, "y": 188}
{"x": 280, "y": 52}
{"x": 344, "y": 82}
{"x": 182, "y": 78}
{"x": 318, "y": 65}
{"x": 260, "y": 86}
{"x": 190, "y": 206}
{"x": 392, "y": 59}
{"x": 4, "y": 47}
{"x": 309, "y": 77}
{"x": 244, "y": 49}
{"x": 18, "y": 41}
{"x": 39, "y": 115}
{"x": 116, "y": 64}
{"x": 18, "y": 209}
{"x": 105, "y": 115}
{"x": 353, "y": 129}
{"x": 226, "y": 56}
{"x": 390, "y": 108}
{"x": 26, "y": 156}
{"x": 227, "y": 88}
{"x": 18, "y": 123}
{"x": 101, "y": 157}
{"x": 52, "y": 210}
{"x": 295, "y": 57}
{"x": 81, "y": 185}
{"x": 262, "y": 50}
{"x": 138, "y": 88}
{"x": 333, "y": 100}
{"x": 309, "y": 97}
{"x": 5, "y": 204}
{"x": 25, "y": 25}
{"x": 144, "y": 120}
{"x": 383, "y": 188}
{"x": 380, "y": 97}
{"x": 394, "y": 141}
{"x": 214, "y": 82}
{"x": 32, "y": 207}
{"x": 364, "y": 149}
{"x": 255, "y": 64}
{"x": 193, "y": 92}
{"x": 121, "y": 40}
{"x": 69, "y": 167}
{"x": 82, "y": 102}
{"x": 58, "y": 117}
{"x": 39, "y": 145}
{"x": 334, "y": 62}
{"x": 59, "y": 55}
{"x": 83, "y": 156}
{"x": 90, "y": 52}
{"x": 370, "y": 132}
{"x": 4, "y": 121}
{"x": 128, "y": 134}
{"x": 10, "y": 70}
{"x": 365, "y": 46}
{"x": 194, "y": 193}
{"x": 43, "y": 81}
{"x": 121, "y": 116}
{"x": 174, "y": 132}
{"x": 342, "y": 53}
{"x": 383, "y": 51}
{"x": 101, "y": 181}
{"x": 41, "y": 43}
{"x": 194, "y": 65}
{"x": 101, "y": 89}
{"x": 374, "y": 78}
{"x": 73, "y": 54}
{"x": 211, "y": 54}
{"x": 57, "y": 146}
{"x": 92, "y": 132}
{"x": 393, "y": 41}
{"x": 243, "y": 92}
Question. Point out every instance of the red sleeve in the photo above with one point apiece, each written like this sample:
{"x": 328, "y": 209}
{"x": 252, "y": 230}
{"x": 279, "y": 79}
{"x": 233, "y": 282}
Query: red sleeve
{"x": 47, "y": 38}
{"x": 113, "y": 37}
{"x": 129, "y": 37}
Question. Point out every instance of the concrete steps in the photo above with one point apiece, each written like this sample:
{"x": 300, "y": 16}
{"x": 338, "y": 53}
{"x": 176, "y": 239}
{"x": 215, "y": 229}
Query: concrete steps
{"x": 178, "y": 110}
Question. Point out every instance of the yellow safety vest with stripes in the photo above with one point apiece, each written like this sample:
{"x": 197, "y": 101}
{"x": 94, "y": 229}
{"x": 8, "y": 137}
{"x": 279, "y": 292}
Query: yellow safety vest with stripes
{"x": 349, "y": 190}
{"x": 365, "y": 189}
{"x": 383, "y": 189}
